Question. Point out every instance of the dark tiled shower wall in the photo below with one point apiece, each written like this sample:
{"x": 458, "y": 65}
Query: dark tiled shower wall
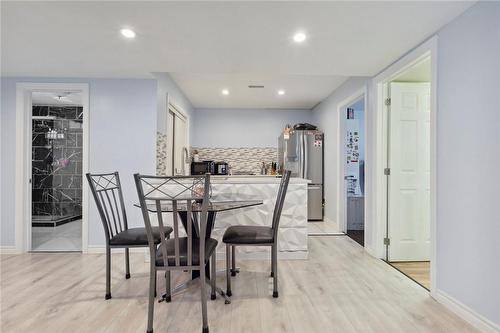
{"x": 57, "y": 163}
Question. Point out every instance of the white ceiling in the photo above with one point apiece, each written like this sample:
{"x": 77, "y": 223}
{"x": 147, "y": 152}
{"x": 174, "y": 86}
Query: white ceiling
{"x": 237, "y": 38}
{"x": 56, "y": 98}
{"x": 301, "y": 91}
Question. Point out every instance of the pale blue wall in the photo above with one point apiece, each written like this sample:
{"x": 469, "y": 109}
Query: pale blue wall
{"x": 326, "y": 116}
{"x": 468, "y": 162}
{"x": 468, "y": 158}
{"x": 169, "y": 90}
{"x": 243, "y": 127}
{"x": 122, "y": 138}
{"x": 7, "y": 162}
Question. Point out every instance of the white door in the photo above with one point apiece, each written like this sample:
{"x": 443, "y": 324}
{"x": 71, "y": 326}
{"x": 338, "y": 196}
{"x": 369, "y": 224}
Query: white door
{"x": 409, "y": 180}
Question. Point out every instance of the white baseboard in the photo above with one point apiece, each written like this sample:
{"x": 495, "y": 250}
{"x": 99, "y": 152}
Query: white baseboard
{"x": 8, "y": 250}
{"x": 463, "y": 311}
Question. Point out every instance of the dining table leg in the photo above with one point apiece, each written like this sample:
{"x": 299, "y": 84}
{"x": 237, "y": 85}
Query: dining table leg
{"x": 196, "y": 273}
{"x": 210, "y": 226}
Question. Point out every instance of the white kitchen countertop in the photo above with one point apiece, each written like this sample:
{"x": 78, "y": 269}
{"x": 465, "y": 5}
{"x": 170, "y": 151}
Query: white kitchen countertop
{"x": 254, "y": 179}
{"x": 292, "y": 233}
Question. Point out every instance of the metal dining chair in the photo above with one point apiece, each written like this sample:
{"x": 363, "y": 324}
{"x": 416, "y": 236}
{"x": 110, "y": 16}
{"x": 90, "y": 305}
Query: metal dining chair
{"x": 107, "y": 192}
{"x": 189, "y": 194}
{"x": 241, "y": 235}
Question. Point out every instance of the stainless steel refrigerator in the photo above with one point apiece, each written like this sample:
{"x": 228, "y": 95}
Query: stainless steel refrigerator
{"x": 301, "y": 151}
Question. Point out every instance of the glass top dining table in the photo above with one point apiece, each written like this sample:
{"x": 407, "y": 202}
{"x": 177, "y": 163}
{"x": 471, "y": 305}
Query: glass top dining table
{"x": 217, "y": 203}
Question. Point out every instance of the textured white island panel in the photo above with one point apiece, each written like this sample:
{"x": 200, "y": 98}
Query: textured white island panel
{"x": 292, "y": 236}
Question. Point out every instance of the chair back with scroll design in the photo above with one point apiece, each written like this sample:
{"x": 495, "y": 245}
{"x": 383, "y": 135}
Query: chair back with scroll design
{"x": 189, "y": 194}
{"x": 280, "y": 199}
{"x": 107, "y": 192}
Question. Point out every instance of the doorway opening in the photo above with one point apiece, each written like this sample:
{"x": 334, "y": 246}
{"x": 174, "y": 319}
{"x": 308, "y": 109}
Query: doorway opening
{"x": 56, "y": 151}
{"x": 52, "y": 150}
{"x": 354, "y": 169}
{"x": 408, "y": 171}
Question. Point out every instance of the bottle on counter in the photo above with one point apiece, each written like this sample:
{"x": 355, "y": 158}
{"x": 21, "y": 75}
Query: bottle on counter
{"x": 280, "y": 168}
{"x": 273, "y": 168}
{"x": 196, "y": 156}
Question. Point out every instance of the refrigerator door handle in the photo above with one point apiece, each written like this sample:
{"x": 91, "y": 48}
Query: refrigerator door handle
{"x": 301, "y": 155}
{"x": 306, "y": 156}
{"x": 299, "y": 148}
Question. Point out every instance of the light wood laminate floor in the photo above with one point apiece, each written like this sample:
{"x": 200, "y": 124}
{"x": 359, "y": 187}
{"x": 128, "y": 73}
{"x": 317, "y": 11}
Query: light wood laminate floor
{"x": 318, "y": 228}
{"x": 420, "y": 271}
{"x": 339, "y": 289}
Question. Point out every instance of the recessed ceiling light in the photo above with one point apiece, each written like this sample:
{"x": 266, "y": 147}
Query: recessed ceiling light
{"x": 127, "y": 33}
{"x": 225, "y": 92}
{"x": 281, "y": 92}
{"x": 299, "y": 37}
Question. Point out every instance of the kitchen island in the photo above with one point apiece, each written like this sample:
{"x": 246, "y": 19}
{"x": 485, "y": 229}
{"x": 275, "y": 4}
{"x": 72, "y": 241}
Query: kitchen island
{"x": 292, "y": 243}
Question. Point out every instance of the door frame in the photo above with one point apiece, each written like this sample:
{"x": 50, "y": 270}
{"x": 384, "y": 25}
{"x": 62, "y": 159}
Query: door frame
{"x": 23, "y": 158}
{"x": 341, "y": 188}
{"x": 428, "y": 49}
{"x": 171, "y": 104}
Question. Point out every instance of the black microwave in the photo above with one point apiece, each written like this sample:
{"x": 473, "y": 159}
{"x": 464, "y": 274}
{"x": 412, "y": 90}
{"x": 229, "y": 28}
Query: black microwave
{"x": 203, "y": 167}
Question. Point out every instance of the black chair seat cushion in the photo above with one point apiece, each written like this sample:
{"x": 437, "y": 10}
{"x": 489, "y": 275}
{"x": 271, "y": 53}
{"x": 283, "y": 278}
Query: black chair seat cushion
{"x": 210, "y": 246}
{"x": 137, "y": 236}
{"x": 246, "y": 234}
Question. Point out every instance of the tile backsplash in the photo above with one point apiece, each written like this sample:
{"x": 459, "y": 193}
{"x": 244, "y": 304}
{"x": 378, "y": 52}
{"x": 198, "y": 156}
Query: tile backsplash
{"x": 161, "y": 154}
{"x": 242, "y": 160}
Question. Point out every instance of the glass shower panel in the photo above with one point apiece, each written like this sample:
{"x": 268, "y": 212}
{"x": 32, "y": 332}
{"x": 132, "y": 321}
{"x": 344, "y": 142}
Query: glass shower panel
{"x": 57, "y": 138}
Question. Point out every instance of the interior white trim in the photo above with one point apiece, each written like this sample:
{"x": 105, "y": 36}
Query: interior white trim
{"x": 341, "y": 190}
{"x": 23, "y": 156}
{"x": 177, "y": 110}
{"x": 171, "y": 103}
{"x": 463, "y": 311}
{"x": 379, "y": 191}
